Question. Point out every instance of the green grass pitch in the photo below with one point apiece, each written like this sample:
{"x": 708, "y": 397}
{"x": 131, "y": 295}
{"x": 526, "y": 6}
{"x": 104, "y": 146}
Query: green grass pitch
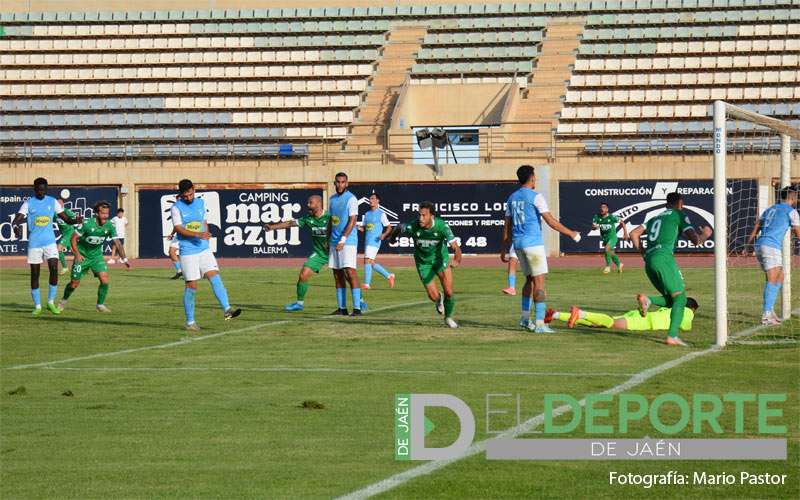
{"x": 224, "y": 416}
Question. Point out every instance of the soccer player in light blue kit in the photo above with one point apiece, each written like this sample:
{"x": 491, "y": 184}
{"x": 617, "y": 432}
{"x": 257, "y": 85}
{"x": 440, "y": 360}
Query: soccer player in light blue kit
{"x": 197, "y": 261}
{"x": 772, "y": 226}
{"x": 376, "y": 228}
{"x": 41, "y": 211}
{"x": 343, "y": 208}
{"x": 523, "y": 228}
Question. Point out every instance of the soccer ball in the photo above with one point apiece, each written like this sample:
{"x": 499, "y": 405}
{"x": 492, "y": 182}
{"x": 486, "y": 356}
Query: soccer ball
{"x": 65, "y": 194}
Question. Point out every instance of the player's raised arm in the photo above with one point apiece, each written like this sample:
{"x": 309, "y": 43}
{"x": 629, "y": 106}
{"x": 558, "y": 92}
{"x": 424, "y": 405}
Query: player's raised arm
{"x": 698, "y": 238}
{"x": 69, "y": 220}
{"x": 624, "y": 228}
{"x": 561, "y": 228}
{"x": 280, "y": 225}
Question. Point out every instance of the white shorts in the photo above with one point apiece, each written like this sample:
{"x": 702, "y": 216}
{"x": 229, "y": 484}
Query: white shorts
{"x": 39, "y": 255}
{"x": 344, "y": 258}
{"x": 533, "y": 261}
{"x": 371, "y": 252}
{"x": 769, "y": 257}
{"x": 512, "y": 254}
{"x": 196, "y": 266}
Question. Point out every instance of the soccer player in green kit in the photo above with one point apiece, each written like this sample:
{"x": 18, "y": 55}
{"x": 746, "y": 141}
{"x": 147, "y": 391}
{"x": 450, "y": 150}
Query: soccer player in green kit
{"x": 432, "y": 237}
{"x": 317, "y": 222}
{"x": 662, "y": 232}
{"x": 608, "y": 223}
{"x": 87, "y": 246}
{"x": 65, "y": 230}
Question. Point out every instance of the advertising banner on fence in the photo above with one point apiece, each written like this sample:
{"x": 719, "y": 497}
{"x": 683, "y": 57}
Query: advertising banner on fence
{"x": 474, "y": 211}
{"x": 639, "y": 201}
{"x": 80, "y": 201}
{"x": 235, "y": 218}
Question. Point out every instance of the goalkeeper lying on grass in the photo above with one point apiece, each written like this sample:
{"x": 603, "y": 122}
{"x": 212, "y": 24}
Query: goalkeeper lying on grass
{"x": 631, "y": 320}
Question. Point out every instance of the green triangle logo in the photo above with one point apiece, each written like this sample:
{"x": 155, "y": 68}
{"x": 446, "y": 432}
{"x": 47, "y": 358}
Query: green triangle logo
{"x": 429, "y": 426}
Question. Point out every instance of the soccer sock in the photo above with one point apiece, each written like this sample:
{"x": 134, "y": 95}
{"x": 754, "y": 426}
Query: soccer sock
{"x": 62, "y": 257}
{"x": 356, "y": 293}
{"x": 512, "y": 280}
{"x": 177, "y": 265}
{"x": 341, "y": 297}
{"x": 615, "y": 258}
{"x": 381, "y": 270}
{"x": 607, "y": 256}
{"x": 539, "y": 309}
{"x": 770, "y": 295}
{"x": 219, "y": 291}
{"x": 37, "y": 297}
{"x": 68, "y": 291}
{"x": 676, "y": 314}
{"x": 526, "y": 307}
{"x": 52, "y": 291}
{"x": 557, "y": 316}
{"x": 449, "y": 305}
{"x": 188, "y": 304}
{"x": 599, "y": 319}
{"x": 102, "y": 291}
{"x": 367, "y": 274}
{"x": 302, "y": 288}
{"x": 658, "y": 300}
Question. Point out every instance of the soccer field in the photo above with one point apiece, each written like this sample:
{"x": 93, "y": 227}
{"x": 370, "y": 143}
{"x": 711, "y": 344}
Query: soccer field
{"x": 278, "y": 405}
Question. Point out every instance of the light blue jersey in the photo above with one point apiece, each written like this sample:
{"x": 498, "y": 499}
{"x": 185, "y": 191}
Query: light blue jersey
{"x": 41, "y": 215}
{"x": 375, "y": 221}
{"x": 342, "y": 207}
{"x": 525, "y": 207}
{"x": 775, "y": 221}
{"x": 191, "y": 216}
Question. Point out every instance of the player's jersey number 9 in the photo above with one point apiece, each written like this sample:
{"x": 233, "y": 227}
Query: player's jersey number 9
{"x": 655, "y": 231}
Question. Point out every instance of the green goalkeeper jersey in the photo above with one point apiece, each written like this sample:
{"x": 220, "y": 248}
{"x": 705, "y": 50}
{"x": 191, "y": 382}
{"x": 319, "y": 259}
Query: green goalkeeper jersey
{"x": 91, "y": 237}
{"x": 319, "y": 232}
{"x": 65, "y": 229}
{"x": 430, "y": 244}
{"x": 608, "y": 225}
{"x": 663, "y": 230}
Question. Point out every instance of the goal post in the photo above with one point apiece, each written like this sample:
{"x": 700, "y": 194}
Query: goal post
{"x": 770, "y": 128}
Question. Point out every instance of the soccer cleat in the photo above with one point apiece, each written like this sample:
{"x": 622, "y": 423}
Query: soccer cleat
{"x": 391, "y": 280}
{"x": 37, "y": 311}
{"x": 450, "y": 322}
{"x": 363, "y": 306}
{"x": 770, "y": 319}
{"x": 232, "y": 313}
{"x": 103, "y": 309}
{"x": 356, "y": 312}
{"x": 63, "y": 271}
{"x": 574, "y": 316}
{"x": 548, "y": 316}
{"x": 53, "y": 308}
{"x": 111, "y": 261}
{"x": 177, "y": 275}
{"x": 294, "y": 306}
{"x": 606, "y": 270}
{"x": 62, "y": 304}
{"x": 524, "y": 323}
{"x": 191, "y": 327}
{"x": 540, "y": 329}
{"x": 440, "y": 304}
{"x": 644, "y": 304}
{"x": 675, "y": 341}
{"x": 365, "y": 286}
{"x": 510, "y": 290}
{"x": 619, "y": 269}
{"x": 340, "y": 312}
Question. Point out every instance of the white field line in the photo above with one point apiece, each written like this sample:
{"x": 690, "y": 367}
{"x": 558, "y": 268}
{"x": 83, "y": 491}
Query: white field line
{"x": 290, "y": 369}
{"x": 531, "y": 424}
{"x": 189, "y": 340}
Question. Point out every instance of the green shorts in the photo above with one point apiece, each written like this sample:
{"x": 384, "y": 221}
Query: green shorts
{"x": 635, "y": 321}
{"x": 96, "y": 264}
{"x": 427, "y": 272}
{"x": 611, "y": 241}
{"x": 316, "y": 262}
{"x": 664, "y": 273}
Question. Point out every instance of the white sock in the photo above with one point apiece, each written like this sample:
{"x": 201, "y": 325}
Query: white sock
{"x": 300, "y": 302}
{"x": 539, "y": 322}
{"x": 556, "y": 315}
{"x": 582, "y": 314}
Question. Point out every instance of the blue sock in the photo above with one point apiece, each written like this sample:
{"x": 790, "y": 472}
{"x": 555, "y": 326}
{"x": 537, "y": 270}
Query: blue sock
{"x": 512, "y": 280}
{"x": 356, "y": 293}
{"x": 188, "y": 304}
{"x": 177, "y": 265}
{"x": 341, "y": 297}
{"x": 539, "y": 310}
{"x": 526, "y": 306}
{"x": 219, "y": 291}
{"x": 37, "y": 297}
{"x": 770, "y": 295}
{"x": 367, "y": 274}
{"x": 383, "y": 272}
{"x": 52, "y": 291}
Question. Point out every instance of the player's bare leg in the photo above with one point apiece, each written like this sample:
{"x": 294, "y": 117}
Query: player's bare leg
{"x": 176, "y": 262}
{"x": 511, "y": 289}
{"x": 539, "y": 305}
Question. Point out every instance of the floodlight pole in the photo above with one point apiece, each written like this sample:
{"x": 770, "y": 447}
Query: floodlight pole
{"x": 786, "y": 296}
{"x": 720, "y": 225}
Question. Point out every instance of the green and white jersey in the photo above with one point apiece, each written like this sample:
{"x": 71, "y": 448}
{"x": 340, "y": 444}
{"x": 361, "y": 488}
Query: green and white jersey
{"x": 65, "y": 229}
{"x": 430, "y": 244}
{"x": 608, "y": 225}
{"x": 91, "y": 237}
{"x": 662, "y": 231}
{"x": 319, "y": 232}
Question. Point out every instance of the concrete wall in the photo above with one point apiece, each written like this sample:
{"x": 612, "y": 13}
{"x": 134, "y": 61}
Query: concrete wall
{"x": 457, "y": 105}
